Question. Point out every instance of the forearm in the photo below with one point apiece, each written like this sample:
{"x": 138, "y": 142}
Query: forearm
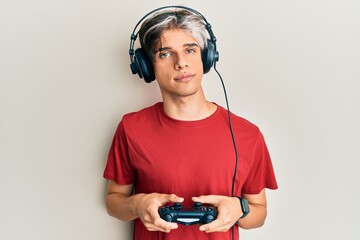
{"x": 121, "y": 206}
{"x": 256, "y": 217}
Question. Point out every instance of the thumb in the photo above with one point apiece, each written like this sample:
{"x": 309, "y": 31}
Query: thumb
{"x": 175, "y": 198}
{"x": 201, "y": 199}
{"x": 209, "y": 199}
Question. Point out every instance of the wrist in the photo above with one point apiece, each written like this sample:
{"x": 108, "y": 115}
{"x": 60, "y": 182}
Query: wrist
{"x": 136, "y": 201}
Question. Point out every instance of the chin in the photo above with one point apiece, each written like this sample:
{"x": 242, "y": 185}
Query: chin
{"x": 187, "y": 93}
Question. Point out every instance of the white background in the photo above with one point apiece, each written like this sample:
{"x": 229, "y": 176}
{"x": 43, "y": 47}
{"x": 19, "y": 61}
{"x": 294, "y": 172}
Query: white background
{"x": 290, "y": 67}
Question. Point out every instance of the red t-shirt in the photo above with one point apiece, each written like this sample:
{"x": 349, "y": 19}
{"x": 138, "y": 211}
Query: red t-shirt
{"x": 188, "y": 158}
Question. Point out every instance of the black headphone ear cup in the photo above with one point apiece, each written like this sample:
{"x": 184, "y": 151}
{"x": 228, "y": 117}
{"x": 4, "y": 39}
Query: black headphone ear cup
{"x": 208, "y": 56}
{"x": 144, "y": 66}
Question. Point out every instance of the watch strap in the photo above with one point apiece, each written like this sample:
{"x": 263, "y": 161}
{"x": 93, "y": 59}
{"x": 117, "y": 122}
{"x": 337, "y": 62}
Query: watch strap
{"x": 244, "y": 203}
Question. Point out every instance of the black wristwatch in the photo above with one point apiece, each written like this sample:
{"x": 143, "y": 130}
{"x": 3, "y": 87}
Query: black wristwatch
{"x": 244, "y": 203}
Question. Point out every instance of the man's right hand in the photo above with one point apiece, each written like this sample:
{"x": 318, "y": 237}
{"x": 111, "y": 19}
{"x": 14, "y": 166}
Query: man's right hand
{"x": 148, "y": 205}
{"x": 122, "y": 204}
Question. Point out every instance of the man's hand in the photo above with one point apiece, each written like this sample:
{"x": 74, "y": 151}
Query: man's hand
{"x": 229, "y": 211}
{"x": 147, "y": 209}
{"x": 120, "y": 203}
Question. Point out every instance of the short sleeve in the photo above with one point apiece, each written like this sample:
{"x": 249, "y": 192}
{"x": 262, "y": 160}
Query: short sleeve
{"x": 118, "y": 166}
{"x": 261, "y": 174}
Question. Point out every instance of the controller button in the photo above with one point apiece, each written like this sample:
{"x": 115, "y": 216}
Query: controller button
{"x": 208, "y": 218}
{"x": 167, "y": 217}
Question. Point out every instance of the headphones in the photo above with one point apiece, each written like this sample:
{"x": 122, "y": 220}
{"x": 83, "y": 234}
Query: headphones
{"x": 141, "y": 64}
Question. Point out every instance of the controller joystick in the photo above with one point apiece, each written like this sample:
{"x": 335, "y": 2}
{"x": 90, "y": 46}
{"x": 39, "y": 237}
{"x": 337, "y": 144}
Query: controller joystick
{"x": 197, "y": 205}
{"x": 177, "y": 205}
{"x": 188, "y": 216}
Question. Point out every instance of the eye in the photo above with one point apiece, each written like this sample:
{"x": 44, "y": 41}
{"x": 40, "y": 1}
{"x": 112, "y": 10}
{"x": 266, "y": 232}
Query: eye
{"x": 190, "y": 50}
{"x": 164, "y": 54}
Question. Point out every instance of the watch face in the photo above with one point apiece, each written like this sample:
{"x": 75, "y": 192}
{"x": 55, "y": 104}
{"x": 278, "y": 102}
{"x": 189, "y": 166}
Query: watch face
{"x": 245, "y": 203}
{"x": 244, "y": 206}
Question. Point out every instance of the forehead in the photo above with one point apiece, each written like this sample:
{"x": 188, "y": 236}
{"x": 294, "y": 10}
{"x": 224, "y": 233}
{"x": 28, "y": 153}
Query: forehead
{"x": 176, "y": 38}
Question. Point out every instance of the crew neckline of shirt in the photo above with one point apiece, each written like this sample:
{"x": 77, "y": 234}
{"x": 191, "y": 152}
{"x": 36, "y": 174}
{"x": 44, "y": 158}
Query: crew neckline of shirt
{"x": 186, "y": 123}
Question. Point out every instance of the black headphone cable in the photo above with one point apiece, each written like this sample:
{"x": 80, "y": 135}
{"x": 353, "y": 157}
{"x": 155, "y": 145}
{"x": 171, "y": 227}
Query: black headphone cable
{"x": 232, "y": 137}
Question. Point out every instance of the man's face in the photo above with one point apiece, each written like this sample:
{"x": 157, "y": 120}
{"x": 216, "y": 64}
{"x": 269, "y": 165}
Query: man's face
{"x": 177, "y": 64}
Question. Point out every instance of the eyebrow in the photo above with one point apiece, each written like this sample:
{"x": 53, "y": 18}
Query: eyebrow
{"x": 185, "y": 45}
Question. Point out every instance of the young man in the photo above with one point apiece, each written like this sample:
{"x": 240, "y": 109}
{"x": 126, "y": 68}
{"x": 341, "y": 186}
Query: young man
{"x": 181, "y": 149}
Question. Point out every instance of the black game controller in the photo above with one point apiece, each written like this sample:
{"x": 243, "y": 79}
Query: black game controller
{"x": 188, "y": 216}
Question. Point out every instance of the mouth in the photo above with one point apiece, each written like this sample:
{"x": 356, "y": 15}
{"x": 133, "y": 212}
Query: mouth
{"x": 184, "y": 77}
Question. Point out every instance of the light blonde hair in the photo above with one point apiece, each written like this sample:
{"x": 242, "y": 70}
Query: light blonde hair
{"x": 153, "y": 28}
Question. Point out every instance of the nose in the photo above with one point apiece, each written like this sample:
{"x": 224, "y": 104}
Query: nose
{"x": 180, "y": 62}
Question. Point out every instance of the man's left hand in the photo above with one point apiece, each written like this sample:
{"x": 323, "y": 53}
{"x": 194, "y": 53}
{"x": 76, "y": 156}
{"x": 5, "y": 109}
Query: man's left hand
{"x": 229, "y": 211}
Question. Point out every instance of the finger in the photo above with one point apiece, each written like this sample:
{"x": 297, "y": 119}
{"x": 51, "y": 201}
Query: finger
{"x": 218, "y": 225}
{"x": 164, "y": 226}
{"x": 222, "y": 223}
{"x": 211, "y": 227}
{"x": 175, "y": 198}
{"x": 159, "y": 223}
{"x": 209, "y": 199}
{"x": 153, "y": 227}
{"x": 197, "y": 199}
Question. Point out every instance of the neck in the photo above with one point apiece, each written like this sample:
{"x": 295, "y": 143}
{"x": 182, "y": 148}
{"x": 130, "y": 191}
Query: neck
{"x": 189, "y": 108}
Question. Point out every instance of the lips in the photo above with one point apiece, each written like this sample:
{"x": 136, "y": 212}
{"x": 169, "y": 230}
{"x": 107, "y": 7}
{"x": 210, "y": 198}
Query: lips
{"x": 184, "y": 77}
